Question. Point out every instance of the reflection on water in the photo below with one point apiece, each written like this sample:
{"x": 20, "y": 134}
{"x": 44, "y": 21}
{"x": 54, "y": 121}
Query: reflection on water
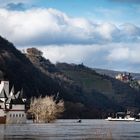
{"x": 71, "y": 130}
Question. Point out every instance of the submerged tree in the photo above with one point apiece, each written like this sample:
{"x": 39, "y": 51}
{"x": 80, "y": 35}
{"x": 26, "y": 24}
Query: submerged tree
{"x": 46, "y": 109}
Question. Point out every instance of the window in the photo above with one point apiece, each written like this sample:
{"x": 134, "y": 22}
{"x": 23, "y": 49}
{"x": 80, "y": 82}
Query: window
{"x": 22, "y": 115}
{"x": 16, "y": 115}
{"x": 19, "y": 115}
{"x": 10, "y": 115}
{"x": 13, "y": 115}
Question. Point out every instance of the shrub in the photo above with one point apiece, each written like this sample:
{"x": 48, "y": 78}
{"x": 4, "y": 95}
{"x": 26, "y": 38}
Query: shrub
{"x": 46, "y": 109}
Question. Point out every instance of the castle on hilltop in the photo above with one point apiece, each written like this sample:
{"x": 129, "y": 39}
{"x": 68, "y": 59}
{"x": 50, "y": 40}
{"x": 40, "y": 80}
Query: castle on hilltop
{"x": 124, "y": 77}
{"x": 12, "y": 105}
{"x": 128, "y": 78}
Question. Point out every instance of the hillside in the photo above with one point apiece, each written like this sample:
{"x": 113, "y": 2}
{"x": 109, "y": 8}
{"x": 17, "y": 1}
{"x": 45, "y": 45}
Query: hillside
{"x": 118, "y": 92}
{"x": 77, "y": 99}
{"x": 15, "y": 67}
{"x": 86, "y": 93}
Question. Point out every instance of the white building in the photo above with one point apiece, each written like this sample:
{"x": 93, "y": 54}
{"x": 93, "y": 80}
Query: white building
{"x": 12, "y": 105}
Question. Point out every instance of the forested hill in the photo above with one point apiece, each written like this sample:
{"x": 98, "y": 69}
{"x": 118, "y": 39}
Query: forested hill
{"x": 86, "y": 94}
{"x": 118, "y": 92}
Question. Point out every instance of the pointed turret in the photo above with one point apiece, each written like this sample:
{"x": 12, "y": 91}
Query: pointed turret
{"x": 3, "y": 95}
{"x": 11, "y": 95}
{"x": 22, "y": 96}
{"x": 17, "y": 94}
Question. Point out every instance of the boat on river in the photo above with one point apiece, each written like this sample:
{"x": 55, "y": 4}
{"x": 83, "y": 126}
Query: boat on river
{"x": 121, "y": 116}
{"x": 138, "y": 118}
{"x": 121, "y": 119}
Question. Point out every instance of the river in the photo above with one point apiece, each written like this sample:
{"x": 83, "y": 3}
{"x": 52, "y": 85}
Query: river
{"x": 71, "y": 130}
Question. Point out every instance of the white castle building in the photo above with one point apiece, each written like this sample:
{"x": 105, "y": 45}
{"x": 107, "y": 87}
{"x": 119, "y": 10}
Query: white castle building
{"x": 12, "y": 105}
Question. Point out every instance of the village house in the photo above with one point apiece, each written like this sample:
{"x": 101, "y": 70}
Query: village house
{"x": 12, "y": 105}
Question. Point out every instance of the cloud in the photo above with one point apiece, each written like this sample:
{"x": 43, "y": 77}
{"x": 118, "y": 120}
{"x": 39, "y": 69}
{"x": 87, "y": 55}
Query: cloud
{"x": 117, "y": 56}
{"x": 72, "y": 39}
{"x": 127, "y": 53}
{"x": 69, "y": 53}
{"x": 3, "y": 3}
{"x": 15, "y": 6}
{"x": 50, "y": 26}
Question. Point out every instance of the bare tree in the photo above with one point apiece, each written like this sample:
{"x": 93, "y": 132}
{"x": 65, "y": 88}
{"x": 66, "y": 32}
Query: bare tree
{"x": 46, "y": 109}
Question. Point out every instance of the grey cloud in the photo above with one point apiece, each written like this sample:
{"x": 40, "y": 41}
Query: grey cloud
{"x": 15, "y": 6}
{"x": 3, "y": 3}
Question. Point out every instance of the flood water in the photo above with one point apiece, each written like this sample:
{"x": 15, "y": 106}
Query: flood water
{"x": 71, "y": 130}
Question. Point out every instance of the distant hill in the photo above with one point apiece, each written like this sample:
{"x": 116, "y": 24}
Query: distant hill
{"x": 113, "y": 73}
{"x": 86, "y": 93}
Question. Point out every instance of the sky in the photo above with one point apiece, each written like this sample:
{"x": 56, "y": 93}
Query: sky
{"x": 98, "y": 33}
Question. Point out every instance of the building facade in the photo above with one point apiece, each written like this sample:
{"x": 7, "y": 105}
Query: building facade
{"x": 12, "y": 105}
